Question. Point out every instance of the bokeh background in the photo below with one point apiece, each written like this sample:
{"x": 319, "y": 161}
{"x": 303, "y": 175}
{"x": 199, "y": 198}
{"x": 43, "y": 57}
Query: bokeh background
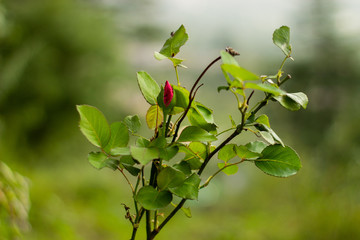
{"x": 56, "y": 54}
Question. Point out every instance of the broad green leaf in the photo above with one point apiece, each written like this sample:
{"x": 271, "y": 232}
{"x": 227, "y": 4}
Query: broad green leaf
{"x": 131, "y": 169}
{"x": 265, "y": 129}
{"x": 120, "y": 151}
{"x": 176, "y": 61}
{"x": 244, "y": 153}
{"x": 195, "y": 134}
{"x": 133, "y": 123}
{"x": 127, "y": 160}
{"x": 93, "y": 125}
{"x": 293, "y": 101}
{"x": 173, "y": 44}
{"x": 267, "y": 136}
{"x": 189, "y": 189}
{"x": 168, "y": 153}
{"x": 142, "y": 142}
{"x": 184, "y": 167}
{"x": 263, "y": 119}
{"x": 265, "y": 87}
{"x": 119, "y": 136}
{"x": 169, "y": 178}
{"x": 144, "y": 155}
{"x": 202, "y": 117}
{"x": 227, "y": 152}
{"x": 151, "y": 199}
{"x": 256, "y": 147}
{"x": 195, "y": 154}
{"x": 281, "y": 38}
{"x": 159, "y": 142}
{"x": 154, "y": 116}
{"x": 182, "y": 96}
{"x": 279, "y": 161}
{"x": 228, "y": 59}
{"x": 99, "y": 160}
{"x": 148, "y": 86}
{"x": 239, "y": 72}
{"x": 230, "y": 170}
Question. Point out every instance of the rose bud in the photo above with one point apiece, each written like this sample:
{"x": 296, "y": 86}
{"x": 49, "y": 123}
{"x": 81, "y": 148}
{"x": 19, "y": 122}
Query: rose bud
{"x": 168, "y": 94}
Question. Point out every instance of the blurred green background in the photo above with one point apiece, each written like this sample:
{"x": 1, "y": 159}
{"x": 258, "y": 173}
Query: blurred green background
{"x": 56, "y": 54}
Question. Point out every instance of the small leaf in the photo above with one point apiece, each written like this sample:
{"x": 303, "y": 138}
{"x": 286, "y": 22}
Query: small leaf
{"x": 293, "y": 101}
{"x": 230, "y": 170}
{"x": 151, "y": 199}
{"x": 263, "y": 119}
{"x": 239, "y": 73}
{"x": 202, "y": 117}
{"x": 169, "y": 178}
{"x": 281, "y": 38}
{"x": 195, "y": 154}
{"x": 265, "y": 87}
{"x": 154, "y": 116}
{"x": 267, "y": 136}
{"x": 256, "y": 147}
{"x": 244, "y": 153}
{"x": 173, "y": 44}
{"x": 263, "y": 129}
{"x": 189, "y": 189}
{"x": 184, "y": 167}
{"x": 228, "y": 59}
{"x": 144, "y": 155}
{"x": 133, "y": 123}
{"x": 223, "y": 88}
{"x": 99, "y": 160}
{"x": 142, "y": 142}
{"x": 182, "y": 96}
{"x": 93, "y": 125}
{"x": 279, "y": 161}
{"x": 195, "y": 134}
{"x": 300, "y": 98}
{"x": 148, "y": 86}
{"x": 120, "y": 151}
{"x": 227, "y": 152}
{"x": 119, "y": 136}
{"x": 168, "y": 153}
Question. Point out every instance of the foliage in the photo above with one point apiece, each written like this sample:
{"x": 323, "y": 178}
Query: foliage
{"x": 169, "y": 180}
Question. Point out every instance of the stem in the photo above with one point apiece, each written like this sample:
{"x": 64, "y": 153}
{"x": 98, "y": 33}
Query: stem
{"x": 177, "y": 75}
{"x": 148, "y": 225}
{"x": 131, "y": 186}
{"x": 280, "y": 69}
{"x": 217, "y": 172}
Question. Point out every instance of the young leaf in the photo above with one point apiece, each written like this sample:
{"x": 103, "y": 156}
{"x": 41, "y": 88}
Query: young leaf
{"x": 293, "y": 101}
{"x": 133, "y": 123}
{"x": 173, "y": 44}
{"x": 202, "y": 117}
{"x": 99, "y": 160}
{"x": 93, "y": 125}
{"x": 169, "y": 178}
{"x": 230, "y": 170}
{"x": 265, "y": 87}
{"x": 195, "y": 154}
{"x": 256, "y": 147}
{"x": 148, "y": 86}
{"x": 227, "y": 152}
{"x": 279, "y": 161}
{"x": 239, "y": 73}
{"x": 263, "y": 119}
{"x": 195, "y": 134}
{"x": 244, "y": 153}
{"x": 151, "y": 199}
{"x": 281, "y": 38}
{"x": 228, "y": 59}
{"x": 119, "y": 136}
{"x": 189, "y": 189}
{"x": 144, "y": 155}
{"x": 154, "y": 116}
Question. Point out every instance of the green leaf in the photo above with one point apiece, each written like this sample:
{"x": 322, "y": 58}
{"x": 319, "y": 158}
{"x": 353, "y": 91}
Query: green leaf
{"x": 265, "y": 129}
{"x": 151, "y": 199}
{"x": 99, "y": 160}
{"x": 239, "y": 72}
{"x": 169, "y": 178}
{"x": 228, "y": 59}
{"x": 168, "y": 153}
{"x": 195, "y": 134}
{"x": 173, "y": 44}
{"x": 293, "y": 101}
{"x": 128, "y": 163}
{"x": 230, "y": 170}
{"x": 182, "y": 96}
{"x": 187, "y": 211}
{"x": 93, "y": 125}
{"x": 148, "y": 86}
{"x": 281, "y": 38}
{"x": 267, "y": 136}
{"x": 279, "y": 161}
{"x": 154, "y": 116}
{"x": 189, "y": 189}
{"x": 120, "y": 151}
{"x": 142, "y": 142}
{"x": 244, "y": 153}
{"x": 144, "y": 155}
{"x": 133, "y": 123}
{"x": 184, "y": 167}
{"x": 195, "y": 154}
{"x": 263, "y": 119}
{"x": 202, "y": 117}
{"x": 119, "y": 136}
{"x": 265, "y": 87}
{"x": 227, "y": 152}
{"x": 256, "y": 147}
{"x": 226, "y": 88}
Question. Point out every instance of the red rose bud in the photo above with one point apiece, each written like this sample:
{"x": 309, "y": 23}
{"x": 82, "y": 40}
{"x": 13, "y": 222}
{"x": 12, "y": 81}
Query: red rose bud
{"x": 168, "y": 93}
